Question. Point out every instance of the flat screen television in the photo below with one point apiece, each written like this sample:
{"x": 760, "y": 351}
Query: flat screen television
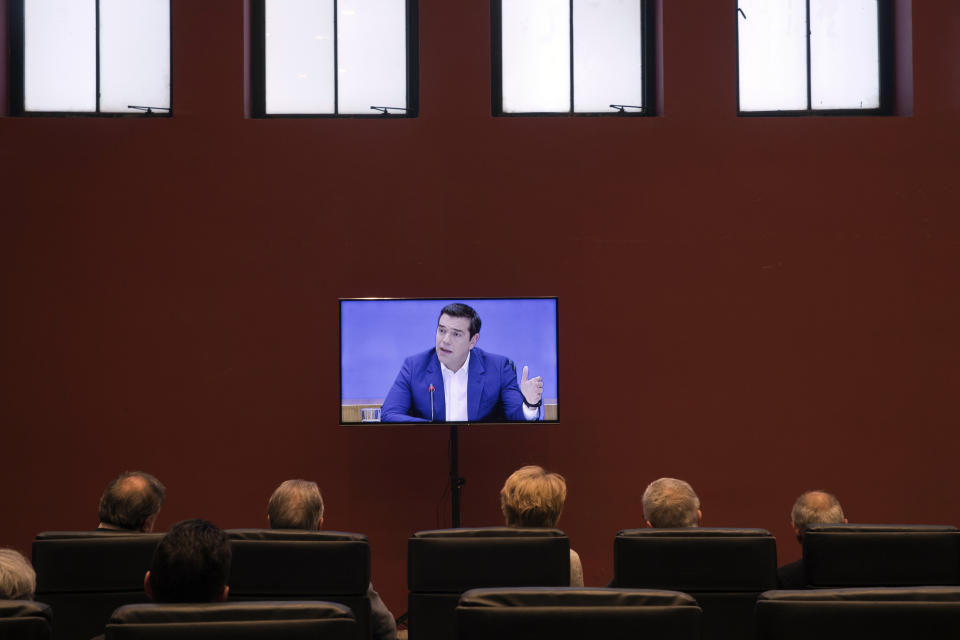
{"x": 397, "y": 353}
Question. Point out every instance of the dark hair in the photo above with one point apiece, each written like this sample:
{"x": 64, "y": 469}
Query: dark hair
{"x": 130, "y": 499}
{"x": 191, "y": 563}
{"x": 460, "y": 310}
{"x": 296, "y": 504}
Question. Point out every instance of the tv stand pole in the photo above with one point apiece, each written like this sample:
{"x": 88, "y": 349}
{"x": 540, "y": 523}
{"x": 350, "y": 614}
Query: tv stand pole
{"x": 456, "y": 482}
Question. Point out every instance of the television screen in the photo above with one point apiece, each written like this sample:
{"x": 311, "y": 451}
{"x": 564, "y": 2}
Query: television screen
{"x": 469, "y": 360}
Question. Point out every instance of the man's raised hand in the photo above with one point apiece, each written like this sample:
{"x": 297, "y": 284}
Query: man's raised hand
{"x": 532, "y": 388}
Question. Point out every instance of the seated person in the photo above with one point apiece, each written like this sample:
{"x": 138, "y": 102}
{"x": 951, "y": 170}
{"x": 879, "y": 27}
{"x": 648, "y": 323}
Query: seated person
{"x": 297, "y": 504}
{"x": 18, "y": 581}
{"x": 669, "y": 503}
{"x": 456, "y": 381}
{"x": 812, "y": 507}
{"x": 131, "y": 503}
{"x": 190, "y": 564}
{"x": 531, "y": 497}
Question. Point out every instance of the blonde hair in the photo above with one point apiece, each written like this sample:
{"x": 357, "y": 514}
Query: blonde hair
{"x": 17, "y": 578}
{"x": 531, "y": 497}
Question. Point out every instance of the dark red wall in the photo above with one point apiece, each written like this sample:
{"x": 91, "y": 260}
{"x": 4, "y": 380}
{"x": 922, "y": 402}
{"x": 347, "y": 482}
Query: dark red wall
{"x": 758, "y": 305}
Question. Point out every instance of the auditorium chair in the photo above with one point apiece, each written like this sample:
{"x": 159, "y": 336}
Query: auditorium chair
{"x": 879, "y": 613}
{"x": 874, "y": 555}
{"x": 287, "y": 564}
{"x": 724, "y": 569}
{"x": 85, "y": 575}
{"x": 25, "y": 620}
{"x": 443, "y": 563}
{"x": 570, "y": 613}
{"x": 263, "y": 620}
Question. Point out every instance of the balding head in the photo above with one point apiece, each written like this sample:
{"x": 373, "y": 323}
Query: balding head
{"x": 296, "y": 504}
{"x": 670, "y": 503}
{"x": 131, "y": 501}
{"x": 815, "y": 507}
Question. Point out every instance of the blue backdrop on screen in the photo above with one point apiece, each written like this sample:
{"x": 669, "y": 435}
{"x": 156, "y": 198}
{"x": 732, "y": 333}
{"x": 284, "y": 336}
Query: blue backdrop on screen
{"x": 376, "y": 336}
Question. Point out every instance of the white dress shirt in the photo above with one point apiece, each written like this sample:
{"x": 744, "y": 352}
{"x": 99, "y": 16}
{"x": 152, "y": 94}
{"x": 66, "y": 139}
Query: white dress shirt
{"x": 455, "y": 391}
{"x": 455, "y": 394}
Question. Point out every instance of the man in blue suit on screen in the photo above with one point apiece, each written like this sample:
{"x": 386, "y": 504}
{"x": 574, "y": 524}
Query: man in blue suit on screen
{"x": 458, "y": 382}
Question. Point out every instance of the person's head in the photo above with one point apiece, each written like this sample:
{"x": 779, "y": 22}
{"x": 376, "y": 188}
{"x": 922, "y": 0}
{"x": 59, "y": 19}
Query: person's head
{"x": 190, "y": 564}
{"x": 670, "y": 503}
{"x": 18, "y": 581}
{"x": 458, "y": 329}
{"x": 532, "y": 497}
{"x": 296, "y": 504}
{"x": 815, "y": 507}
{"x": 132, "y": 501}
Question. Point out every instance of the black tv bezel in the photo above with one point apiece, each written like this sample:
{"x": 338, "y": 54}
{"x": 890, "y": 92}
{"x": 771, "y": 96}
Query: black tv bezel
{"x": 444, "y": 423}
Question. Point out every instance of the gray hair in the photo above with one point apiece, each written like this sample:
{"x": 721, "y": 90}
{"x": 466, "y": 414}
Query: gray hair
{"x": 18, "y": 580}
{"x": 816, "y": 507}
{"x": 295, "y": 504}
{"x": 671, "y": 503}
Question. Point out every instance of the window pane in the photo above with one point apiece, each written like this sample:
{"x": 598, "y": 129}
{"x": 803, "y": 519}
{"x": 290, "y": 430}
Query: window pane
{"x": 60, "y": 55}
{"x": 773, "y": 55}
{"x": 535, "y": 47}
{"x": 299, "y": 56}
{"x": 844, "y": 54}
{"x": 607, "y": 54}
{"x": 134, "y": 54}
{"x": 372, "y": 54}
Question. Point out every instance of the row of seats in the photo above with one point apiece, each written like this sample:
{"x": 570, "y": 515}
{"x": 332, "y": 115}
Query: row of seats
{"x": 533, "y": 613}
{"x": 825, "y": 614}
{"x": 85, "y": 576}
{"x": 724, "y": 569}
{"x": 263, "y": 620}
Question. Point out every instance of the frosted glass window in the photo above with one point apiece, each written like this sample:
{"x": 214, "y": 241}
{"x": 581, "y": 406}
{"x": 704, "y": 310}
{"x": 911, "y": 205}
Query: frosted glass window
{"x": 60, "y": 55}
{"x": 335, "y": 56}
{"x": 773, "y": 55}
{"x": 808, "y": 55}
{"x": 299, "y": 56}
{"x": 134, "y": 54}
{"x": 542, "y": 73}
{"x": 64, "y": 68}
{"x": 535, "y": 49}
{"x": 844, "y": 54}
{"x": 607, "y": 54}
{"x": 372, "y": 54}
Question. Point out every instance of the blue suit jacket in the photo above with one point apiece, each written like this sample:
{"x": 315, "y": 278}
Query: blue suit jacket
{"x": 493, "y": 393}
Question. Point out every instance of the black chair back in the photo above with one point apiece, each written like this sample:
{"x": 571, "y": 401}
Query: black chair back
{"x": 873, "y": 555}
{"x": 85, "y": 575}
{"x": 264, "y": 620}
{"x": 443, "y": 563}
{"x": 25, "y": 620}
{"x": 724, "y": 569}
{"x": 278, "y": 564}
{"x": 536, "y": 613}
{"x": 881, "y": 613}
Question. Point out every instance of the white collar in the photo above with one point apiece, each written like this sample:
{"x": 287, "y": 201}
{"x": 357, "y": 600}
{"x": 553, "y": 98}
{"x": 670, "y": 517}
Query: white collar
{"x": 446, "y": 371}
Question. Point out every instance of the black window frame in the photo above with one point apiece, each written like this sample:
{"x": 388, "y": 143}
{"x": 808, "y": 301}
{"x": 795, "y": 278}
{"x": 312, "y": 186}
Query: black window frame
{"x": 16, "y": 34}
{"x": 648, "y": 63}
{"x": 885, "y": 62}
{"x": 258, "y": 68}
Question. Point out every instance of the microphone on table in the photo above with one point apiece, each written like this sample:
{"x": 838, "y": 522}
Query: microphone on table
{"x": 431, "y": 389}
